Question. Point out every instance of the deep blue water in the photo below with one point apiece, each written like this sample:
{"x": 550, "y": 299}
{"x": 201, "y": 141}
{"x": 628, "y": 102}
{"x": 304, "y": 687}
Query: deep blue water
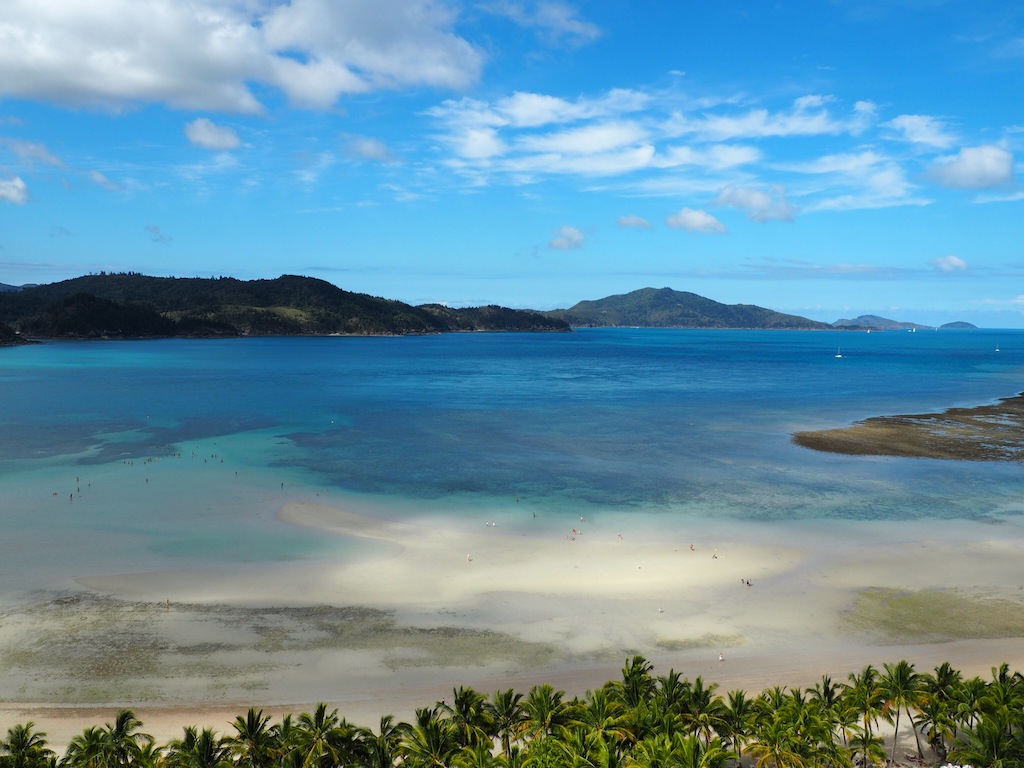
{"x": 668, "y": 421}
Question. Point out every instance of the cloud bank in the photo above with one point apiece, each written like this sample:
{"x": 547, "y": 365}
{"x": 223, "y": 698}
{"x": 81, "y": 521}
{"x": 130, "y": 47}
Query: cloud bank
{"x": 208, "y": 54}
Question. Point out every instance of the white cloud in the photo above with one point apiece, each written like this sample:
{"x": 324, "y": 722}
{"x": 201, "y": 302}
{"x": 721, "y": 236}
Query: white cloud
{"x": 716, "y": 156}
{"x": 591, "y": 139}
{"x": 808, "y": 117}
{"x": 695, "y": 221}
{"x": 366, "y": 148}
{"x": 758, "y": 204}
{"x": 857, "y": 180}
{"x": 554, "y": 21}
{"x": 813, "y": 101}
{"x": 14, "y": 190}
{"x": 949, "y": 264}
{"x": 849, "y": 162}
{"x": 205, "y": 54}
{"x": 922, "y": 129}
{"x": 533, "y": 109}
{"x": 1010, "y": 197}
{"x": 634, "y": 221}
{"x": 202, "y": 132}
{"x": 567, "y": 238}
{"x": 98, "y": 178}
{"x": 613, "y": 163}
{"x": 974, "y": 168}
{"x": 479, "y": 143}
{"x": 31, "y": 152}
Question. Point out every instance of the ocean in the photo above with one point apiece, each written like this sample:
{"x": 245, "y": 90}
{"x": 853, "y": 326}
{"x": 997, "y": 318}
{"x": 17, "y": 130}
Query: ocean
{"x": 155, "y": 455}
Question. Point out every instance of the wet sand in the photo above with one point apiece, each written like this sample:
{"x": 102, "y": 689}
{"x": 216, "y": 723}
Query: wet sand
{"x": 434, "y": 604}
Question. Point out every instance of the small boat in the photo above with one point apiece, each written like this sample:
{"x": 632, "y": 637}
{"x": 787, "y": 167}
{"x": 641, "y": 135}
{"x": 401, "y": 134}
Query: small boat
{"x": 839, "y": 354}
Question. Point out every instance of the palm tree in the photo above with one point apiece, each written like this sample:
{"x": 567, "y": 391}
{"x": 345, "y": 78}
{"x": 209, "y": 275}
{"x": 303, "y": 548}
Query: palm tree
{"x": 991, "y": 744}
{"x": 116, "y": 745}
{"x": 602, "y": 716}
{"x": 769, "y": 702}
{"x": 256, "y": 743}
{"x": 775, "y": 744}
{"x": 637, "y": 685}
{"x": 476, "y": 755}
{"x": 702, "y": 712}
{"x": 470, "y": 716}
{"x": 25, "y": 747}
{"x": 87, "y": 749}
{"x": 431, "y": 744}
{"x": 382, "y": 748}
{"x": 936, "y": 720}
{"x": 671, "y": 689}
{"x": 199, "y": 749}
{"x": 942, "y": 683}
{"x": 584, "y": 750}
{"x": 322, "y": 740}
{"x": 545, "y": 711}
{"x": 870, "y": 747}
{"x": 864, "y": 694}
{"x": 124, "y": 740}
{"x": 151, "y": 755}
{"x": 508, "y": 715}
{"x": 516, "y": 758}
{"x": 968, "y": 696}
{"x": 691, "y": 752}
{"x": 737, "y": 716}
{"x": 677, "y": 751}
{"x": 826, "y": 693}
{"x": 901, "y": 687}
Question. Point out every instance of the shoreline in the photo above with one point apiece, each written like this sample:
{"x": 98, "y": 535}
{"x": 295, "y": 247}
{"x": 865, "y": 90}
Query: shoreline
{"x": 407, "y": 619}
{"x": 62, "y": 722}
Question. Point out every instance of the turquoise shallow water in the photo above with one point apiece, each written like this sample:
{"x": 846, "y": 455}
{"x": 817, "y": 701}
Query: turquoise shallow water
{"x": 676, "y": 424}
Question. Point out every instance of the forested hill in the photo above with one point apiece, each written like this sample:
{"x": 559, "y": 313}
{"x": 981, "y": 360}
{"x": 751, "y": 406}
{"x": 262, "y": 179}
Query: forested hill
{"x": 129, "y": 305}
{"x": 666, "y": 308}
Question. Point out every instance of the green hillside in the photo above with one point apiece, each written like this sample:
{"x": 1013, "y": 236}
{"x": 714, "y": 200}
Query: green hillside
{"x": 129, "y": 305}
{"x": 666, "y": 308}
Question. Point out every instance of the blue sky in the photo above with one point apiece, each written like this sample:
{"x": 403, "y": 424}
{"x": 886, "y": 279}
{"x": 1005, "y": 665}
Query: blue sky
{"x": 825, "y": 158}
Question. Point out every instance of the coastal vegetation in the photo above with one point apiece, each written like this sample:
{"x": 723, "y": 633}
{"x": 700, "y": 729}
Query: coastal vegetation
{"x": 9, "y": 337}
{"x": 893, "y": 714}
{"x": 130, "y": 305}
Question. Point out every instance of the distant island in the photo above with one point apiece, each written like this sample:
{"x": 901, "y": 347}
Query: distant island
{"x": 666, "y": 308}
{"x": 131, "y": 305}
{"x": 876, "y": 323}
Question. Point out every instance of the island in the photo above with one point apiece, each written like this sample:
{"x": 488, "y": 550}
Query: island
{"x": 134, "y": 306}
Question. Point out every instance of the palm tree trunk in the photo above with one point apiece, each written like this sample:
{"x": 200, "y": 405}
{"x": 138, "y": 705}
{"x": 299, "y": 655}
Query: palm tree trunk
{"x": 895, "y": 738}
{"x": 917, "y": 737}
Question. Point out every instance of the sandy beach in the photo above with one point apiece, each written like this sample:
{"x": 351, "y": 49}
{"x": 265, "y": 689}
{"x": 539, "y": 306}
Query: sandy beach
{"x": 430, "y": 604}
